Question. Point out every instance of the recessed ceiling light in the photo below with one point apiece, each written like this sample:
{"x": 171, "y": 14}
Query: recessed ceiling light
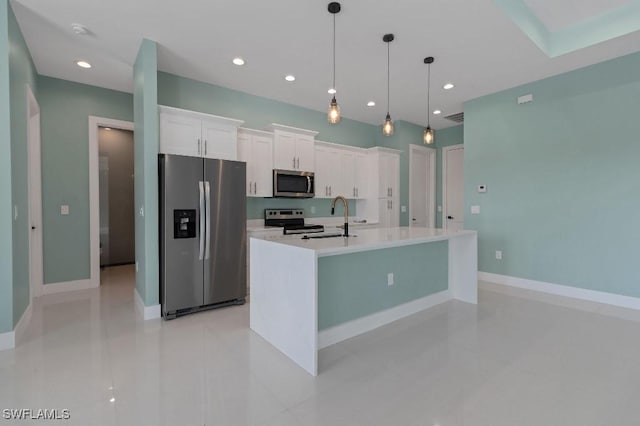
{"x": 371, "y": 103}
{"x": 112, "y": 400}
{"x": 83, "y": 64}
{"x": 238, "y": 61}
{"x": 80, "y": 29}
{"x": 332, "y": 91}
{"x": 436, "y": 112}
{"x": 448, "y": 86}
{"x": 290, "y": 77}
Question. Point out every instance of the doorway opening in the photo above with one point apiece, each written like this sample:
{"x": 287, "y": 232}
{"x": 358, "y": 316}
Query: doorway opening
{"x": 117, "y": 218}
{"x": 422, "y": 186}
{"x": 34, "y": 176}
{"x": 453, "y": 187}
{"x": 114, "y": 161}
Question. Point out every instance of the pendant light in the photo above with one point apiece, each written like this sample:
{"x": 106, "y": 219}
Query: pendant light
{"x": 333, "y": 115}
{"x": 387, "y": 127}
{"x": 428, "y": 136}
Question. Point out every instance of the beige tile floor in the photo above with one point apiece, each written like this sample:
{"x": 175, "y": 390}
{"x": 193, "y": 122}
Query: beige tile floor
{"x": 517, "y": 358}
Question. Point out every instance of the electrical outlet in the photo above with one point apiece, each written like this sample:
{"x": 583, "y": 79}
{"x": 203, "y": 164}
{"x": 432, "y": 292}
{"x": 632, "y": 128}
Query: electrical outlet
{"x": 136, "y": 266}
{"x": 499, "y": 254}
{"x": 142, "y": 211}
{"x": 15, "y": 212}
{"x": 390, "y": 278}
{"x": 439, "y": 208}
{"x": 475, "y": 209}
{"x": 64, "y": 209}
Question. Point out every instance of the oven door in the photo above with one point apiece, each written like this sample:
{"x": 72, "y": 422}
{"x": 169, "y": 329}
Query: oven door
{"x": 293, "y": 184}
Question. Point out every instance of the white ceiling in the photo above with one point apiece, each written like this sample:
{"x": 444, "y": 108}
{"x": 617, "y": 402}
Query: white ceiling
{"x": 476, "y": 46}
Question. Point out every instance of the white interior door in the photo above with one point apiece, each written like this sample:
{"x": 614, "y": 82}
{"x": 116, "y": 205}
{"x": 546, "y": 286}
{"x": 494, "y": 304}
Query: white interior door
{"x": 36, "y": 278}
{"x": 422, "y": 187}
{"x": 453, "y": 188}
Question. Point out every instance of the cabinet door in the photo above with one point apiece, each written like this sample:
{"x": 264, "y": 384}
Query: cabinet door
{"x": 284, "y": 151}
{"x": 393, "y": 176}
{"x": 305, "y": 153}
{"x": 219, "y": 141}
{"x": 180, "y": 135}
{"x": 244, "y": 154}
{"x": 262, "y": 165}
{"x": 361, "y": 171}
{"x": 348, "y": 169}
{"x": 322, "y": 171}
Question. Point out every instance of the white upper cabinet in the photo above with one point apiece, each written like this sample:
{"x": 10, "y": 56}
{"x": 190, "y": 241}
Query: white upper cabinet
{"x": 196, "y": 134}
{"x": 385, "y": 165}
{"x": 293, "y": 148}
{"x": 256, "y": 148}
{"x": 328, "y": 171}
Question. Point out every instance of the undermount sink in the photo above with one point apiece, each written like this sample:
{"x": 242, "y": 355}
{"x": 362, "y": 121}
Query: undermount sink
{"x": 308, "y": 237}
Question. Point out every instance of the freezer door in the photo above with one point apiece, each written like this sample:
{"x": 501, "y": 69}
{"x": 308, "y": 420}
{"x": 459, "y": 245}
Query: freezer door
{"x": 181, "y": 243}
{"x": 225, "y": 264}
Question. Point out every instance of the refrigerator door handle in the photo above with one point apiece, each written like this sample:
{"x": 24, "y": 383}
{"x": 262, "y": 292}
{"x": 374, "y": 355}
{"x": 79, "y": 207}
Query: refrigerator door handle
{"x": 202, "y": 223}
{"x": 207, "y": 196}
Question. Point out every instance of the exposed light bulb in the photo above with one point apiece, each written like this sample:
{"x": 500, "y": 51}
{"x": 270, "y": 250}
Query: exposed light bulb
{"x": 332, "y": 91}
{"x": 387, "y": 127}
{"x": 333, "y": 115}
{"x": 428, "y": 136}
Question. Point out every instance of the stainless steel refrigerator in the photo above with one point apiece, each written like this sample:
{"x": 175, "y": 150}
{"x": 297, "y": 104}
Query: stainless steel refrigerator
{"x": 203, "y": 240}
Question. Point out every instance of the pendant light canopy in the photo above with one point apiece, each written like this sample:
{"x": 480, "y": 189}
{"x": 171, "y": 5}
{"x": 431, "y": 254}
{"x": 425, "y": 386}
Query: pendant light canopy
{"x": 387, "y": 127}
{"x": 428, "y": 136}
{"x": 333, "y": 115}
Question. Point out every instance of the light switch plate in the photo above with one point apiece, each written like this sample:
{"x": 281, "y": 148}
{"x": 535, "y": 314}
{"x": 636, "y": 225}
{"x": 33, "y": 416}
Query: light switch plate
{"x": 403, "y": 209}
{"x": 475, "y": 209}
{"x": 64, "y": 209}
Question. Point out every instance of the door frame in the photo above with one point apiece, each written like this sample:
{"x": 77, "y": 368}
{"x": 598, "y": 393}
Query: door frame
{"x": 34, "y": 166}
{"x": 445, "y": 153}
{"x": 431, "y": 186}
{"x": 94, "y": 189}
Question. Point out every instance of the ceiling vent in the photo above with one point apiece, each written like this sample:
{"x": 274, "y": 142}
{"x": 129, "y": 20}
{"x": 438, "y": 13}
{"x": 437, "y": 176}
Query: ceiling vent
{"x": 458, "y": 117}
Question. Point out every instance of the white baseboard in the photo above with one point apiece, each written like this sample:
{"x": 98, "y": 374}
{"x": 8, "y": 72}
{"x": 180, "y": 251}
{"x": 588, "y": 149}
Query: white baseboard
{"x": 147, "y": 312}
{"x": 21, "y": 327}
{"x": 563, "y": 290}
{"x": 7, "y": 340}
{"x": 67, "y": 286}
{"x": 358, "y": 326}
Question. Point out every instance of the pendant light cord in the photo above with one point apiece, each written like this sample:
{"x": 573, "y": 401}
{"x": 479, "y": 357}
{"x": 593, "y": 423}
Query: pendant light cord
{"x": 428, "y": 95}
{"x": 334, "y": 53}
{"x": 388, "y": 68}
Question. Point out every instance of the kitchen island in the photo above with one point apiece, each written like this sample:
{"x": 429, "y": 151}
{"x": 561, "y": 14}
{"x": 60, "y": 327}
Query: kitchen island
{"x": 307, "y": 294}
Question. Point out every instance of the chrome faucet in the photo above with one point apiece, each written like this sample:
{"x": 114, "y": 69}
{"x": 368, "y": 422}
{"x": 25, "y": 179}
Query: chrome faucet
{"x": 345, "y": 203}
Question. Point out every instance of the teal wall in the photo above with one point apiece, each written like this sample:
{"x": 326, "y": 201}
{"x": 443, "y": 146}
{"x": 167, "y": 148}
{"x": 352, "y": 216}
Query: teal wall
{"x": 146, "y": 137}
{"x": 6, "y": 207}
{"x": 22, "y": 72}
{"x": 65, "y": 109}
{"x": 562, "y": 177}
{"x": 406, "y": 134}
{"x": 258, "y": 113}
{"x": 354, "y": 285}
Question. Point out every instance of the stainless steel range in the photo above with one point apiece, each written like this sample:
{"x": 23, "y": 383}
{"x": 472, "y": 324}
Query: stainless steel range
{"x": 292, "y": 221}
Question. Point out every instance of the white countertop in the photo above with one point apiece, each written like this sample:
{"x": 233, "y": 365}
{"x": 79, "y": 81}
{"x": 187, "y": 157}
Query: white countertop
{"x": 366, "y": 239}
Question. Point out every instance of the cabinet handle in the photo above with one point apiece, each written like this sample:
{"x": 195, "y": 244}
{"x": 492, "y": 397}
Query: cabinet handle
{"x": 294, "y": 162}
{"x": 330, "y": 191}
{"x": 249, "y": 187}
{"x": 199, "y": 151}
{"x": 326, "y": 190}
{"x": 298, "y": 163}
{"x": 205, "y": 147}
{"x": 357, "y": 192}
{"x": 255, "y": 187}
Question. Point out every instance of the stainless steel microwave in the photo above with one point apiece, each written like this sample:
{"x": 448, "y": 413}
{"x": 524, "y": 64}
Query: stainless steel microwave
{"x": 293, "y": 184}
